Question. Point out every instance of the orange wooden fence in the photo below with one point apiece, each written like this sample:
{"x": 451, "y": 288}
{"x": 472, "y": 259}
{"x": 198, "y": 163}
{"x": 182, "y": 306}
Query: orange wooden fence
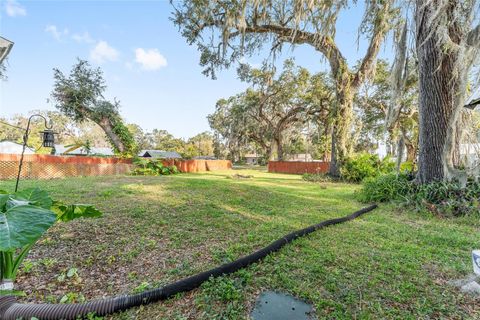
{"x": 39, "y": 166}
{"x": 199, "y": 165}
{"x": 298, "y": 167}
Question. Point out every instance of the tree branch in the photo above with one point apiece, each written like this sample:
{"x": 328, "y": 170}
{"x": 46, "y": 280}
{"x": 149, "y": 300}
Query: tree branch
{"x": 368, "y": 62}
{"x": 323, "y": 44}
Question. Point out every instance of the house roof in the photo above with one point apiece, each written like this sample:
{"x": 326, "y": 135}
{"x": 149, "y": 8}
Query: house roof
{"x": 474, "y": 100}
{"x": 160, "y": 154}
{"x": 5, "y": 47}
{"x": 59, "y": 149}
{"x": 10, "y": 147}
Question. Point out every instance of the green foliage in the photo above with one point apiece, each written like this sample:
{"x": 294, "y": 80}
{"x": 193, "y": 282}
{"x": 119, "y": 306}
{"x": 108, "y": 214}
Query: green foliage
{"x": 273, "y": 110}
{"x": 22, "y": 224}
{"x": 24, "y": 217}
{"x": 79, "y": 96}
{"x": 407, "y": 166}
{"x": 317, "y": 177}
{"x": 365, "y": 165}
{"x": 385, "y": 188}
{"x": 152, "y": 167}
{"x": 122, "y": 132}
{"x": 440, "y": 198}
{"x": 223, "y": 289}
{"x": 447, "y": 198}
{"x": 74, "y": 211}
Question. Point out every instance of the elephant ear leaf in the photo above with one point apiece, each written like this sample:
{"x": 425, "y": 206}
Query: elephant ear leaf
{"x": 74, "y": 211}
{"x": 23, "y": 225}
{"x": 3, "y": 201}
{"x": 34, "y": 196}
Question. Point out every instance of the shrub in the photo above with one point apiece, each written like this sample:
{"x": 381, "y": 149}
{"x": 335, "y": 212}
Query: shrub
{"x": 440, "y": 198}
{"x": 447, "y": 198}
{"x": 152, "y": 167}
{"x": 365, "y": 165}
{"x": 385, "y": 188}
{"x": 407, "y": 166}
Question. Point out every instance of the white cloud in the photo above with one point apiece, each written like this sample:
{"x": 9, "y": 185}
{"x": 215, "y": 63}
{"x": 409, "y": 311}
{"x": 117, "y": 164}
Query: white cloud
{"x": 150, "y": 59}
{"x": 14, "y": 9}
{"x": 83, "y": 38}
{"x": 103, "y": 52}
{"x": 55, "y": 32}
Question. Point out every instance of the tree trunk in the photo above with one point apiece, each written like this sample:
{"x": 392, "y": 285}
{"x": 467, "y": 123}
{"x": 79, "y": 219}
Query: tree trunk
{"x": 400, "y": 148}
{"x": 411, "y": 152}
{"x": 437, "y": 89}
{"x": 268, "y": 153}
{"x": 327, "y": 134}
{"x": 334, "y": 169}
{"x": 341, "y": 126}
{"x": 279, "y": 143}
{"x": 107, "y": 127}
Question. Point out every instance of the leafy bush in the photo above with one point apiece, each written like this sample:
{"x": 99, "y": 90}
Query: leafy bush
{"x": 440, "y": 198}
{"x": 447, "y": 198}
{"x": 317, "y": 177}
{"x": 24, "y": 217}
{"x": 152, "y": 167}
{"x": 365, "y": 165}
{"x": 385, "y": 188}
{"x": 407, "y": 166}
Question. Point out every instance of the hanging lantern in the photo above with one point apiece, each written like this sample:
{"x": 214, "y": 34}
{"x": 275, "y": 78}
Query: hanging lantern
{"x": 48, "y": 138}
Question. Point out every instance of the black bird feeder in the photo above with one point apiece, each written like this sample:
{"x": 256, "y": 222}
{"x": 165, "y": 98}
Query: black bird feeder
{"x": 48, "y": 141}
{"x": 48, "y": 138}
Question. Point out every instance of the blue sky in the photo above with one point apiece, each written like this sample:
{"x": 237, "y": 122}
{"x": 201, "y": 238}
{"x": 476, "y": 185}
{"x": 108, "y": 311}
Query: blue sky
{"x": 147, "y": 64}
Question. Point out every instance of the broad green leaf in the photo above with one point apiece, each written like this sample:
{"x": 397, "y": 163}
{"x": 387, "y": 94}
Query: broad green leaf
{"x": 35, "y": 196}
{"x": 3, "y": 202}
{"x": 23, "y": 225}
{"x": 74, "y": 211}
{"x": 11, "y": 202}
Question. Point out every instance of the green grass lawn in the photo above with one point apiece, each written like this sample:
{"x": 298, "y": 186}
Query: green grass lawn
{"x": 388, "y": 264}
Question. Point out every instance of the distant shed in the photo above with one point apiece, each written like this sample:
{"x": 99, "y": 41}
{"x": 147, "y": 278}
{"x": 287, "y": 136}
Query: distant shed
{"x": 159, "y": 154}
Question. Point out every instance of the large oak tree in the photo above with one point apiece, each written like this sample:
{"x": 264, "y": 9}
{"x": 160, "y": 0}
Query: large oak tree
{"x": 447, "y": 43}
{"x": 226, "y": 31}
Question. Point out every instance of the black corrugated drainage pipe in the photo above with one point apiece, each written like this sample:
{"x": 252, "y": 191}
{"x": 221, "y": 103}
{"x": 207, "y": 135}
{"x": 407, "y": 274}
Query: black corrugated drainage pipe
{"x": 11, "y": 310}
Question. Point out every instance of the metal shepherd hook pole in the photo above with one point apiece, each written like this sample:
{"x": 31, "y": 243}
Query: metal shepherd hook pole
{"x": 48, "y": 141}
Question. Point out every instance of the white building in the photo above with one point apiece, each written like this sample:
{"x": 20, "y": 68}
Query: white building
{"x": 470, "y": 153}
{"x": 10, "y": 147}
{"x": 306, "y": 157}
{"x": 252, "y": 158}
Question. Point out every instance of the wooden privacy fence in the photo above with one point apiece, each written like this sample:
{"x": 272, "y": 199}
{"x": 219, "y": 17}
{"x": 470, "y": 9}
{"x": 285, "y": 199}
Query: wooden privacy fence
{"x": 39, "y": 166}
{"x": 199, "y": 165}
{"x": 298, "y": 167}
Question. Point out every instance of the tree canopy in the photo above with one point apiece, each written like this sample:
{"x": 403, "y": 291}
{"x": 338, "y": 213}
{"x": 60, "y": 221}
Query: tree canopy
{"x": 271, "y": 107}
{"x": 227, "y": 31}
{"x": 79, "y": 96}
